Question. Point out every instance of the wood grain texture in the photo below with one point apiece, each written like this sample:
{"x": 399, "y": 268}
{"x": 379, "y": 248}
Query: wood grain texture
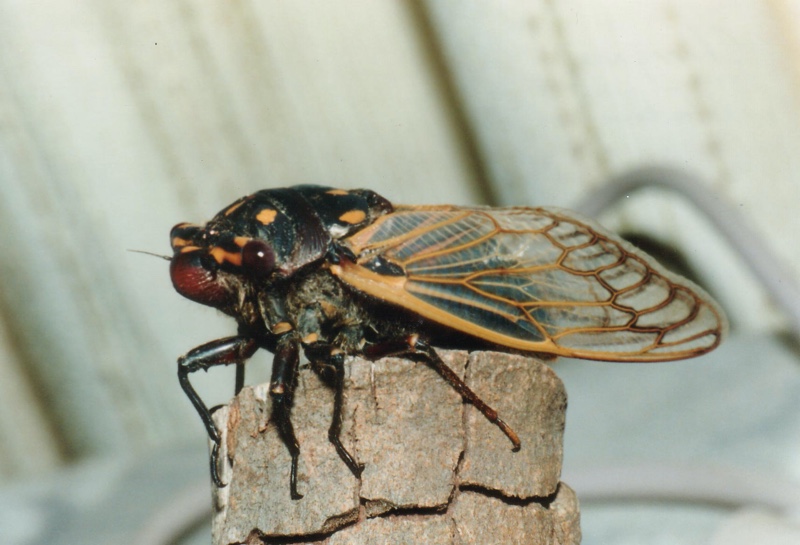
{"x": 435, "y": 470}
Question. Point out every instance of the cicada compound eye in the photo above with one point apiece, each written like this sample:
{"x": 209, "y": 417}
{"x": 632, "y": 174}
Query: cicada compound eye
{"x": 194, "y": 280}
{"x": 258, "y": 258}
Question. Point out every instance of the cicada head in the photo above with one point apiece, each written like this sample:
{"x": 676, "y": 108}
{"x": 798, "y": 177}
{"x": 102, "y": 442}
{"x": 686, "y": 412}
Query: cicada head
{"x": 194, "y": 273}
{"x": 244, "y": 250}
{"x": 212, "y": 268}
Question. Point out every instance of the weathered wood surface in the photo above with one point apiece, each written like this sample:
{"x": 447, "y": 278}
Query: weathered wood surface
{"x": 435, "y": 471}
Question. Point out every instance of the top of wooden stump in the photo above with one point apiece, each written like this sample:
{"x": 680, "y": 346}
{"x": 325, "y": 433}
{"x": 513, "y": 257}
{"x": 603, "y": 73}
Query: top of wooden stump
{"x": 426, "y": 455}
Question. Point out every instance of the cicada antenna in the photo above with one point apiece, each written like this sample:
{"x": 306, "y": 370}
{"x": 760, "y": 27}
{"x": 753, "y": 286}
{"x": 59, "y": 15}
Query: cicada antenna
{"x": 168, "y": 258}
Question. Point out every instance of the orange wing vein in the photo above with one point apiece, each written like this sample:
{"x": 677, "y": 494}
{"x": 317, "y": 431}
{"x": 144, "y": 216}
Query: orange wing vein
{"x": 534, "y": 279}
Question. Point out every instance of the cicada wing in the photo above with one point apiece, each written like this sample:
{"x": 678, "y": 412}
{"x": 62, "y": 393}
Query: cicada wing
{"x": 533, "y": 279}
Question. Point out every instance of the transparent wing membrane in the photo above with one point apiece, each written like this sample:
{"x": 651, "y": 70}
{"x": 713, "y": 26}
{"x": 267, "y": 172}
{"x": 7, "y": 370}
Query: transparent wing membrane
{"x": 537, "y": 279}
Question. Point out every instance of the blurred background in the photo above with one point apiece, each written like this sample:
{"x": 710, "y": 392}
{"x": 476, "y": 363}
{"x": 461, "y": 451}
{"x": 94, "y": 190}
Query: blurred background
{"x": 675, "y": 122}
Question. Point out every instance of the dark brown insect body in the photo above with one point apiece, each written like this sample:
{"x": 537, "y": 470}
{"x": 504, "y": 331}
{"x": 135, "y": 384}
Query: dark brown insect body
{"x": 336, "y": 273}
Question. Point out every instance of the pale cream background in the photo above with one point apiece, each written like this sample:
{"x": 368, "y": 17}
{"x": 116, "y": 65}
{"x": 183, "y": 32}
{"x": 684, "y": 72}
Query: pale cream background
{"x": 120, "y": 119}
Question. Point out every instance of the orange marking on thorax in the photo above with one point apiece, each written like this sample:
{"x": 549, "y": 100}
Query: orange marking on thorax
{"x": 353, "y": 216}
{"x": 267, "y": 216}
{"x": 233, "y": 207}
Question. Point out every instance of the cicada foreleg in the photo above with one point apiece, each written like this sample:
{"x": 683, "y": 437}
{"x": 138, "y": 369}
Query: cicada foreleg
{"x": 227, "y": 351}
{"x": 414, "y": 347}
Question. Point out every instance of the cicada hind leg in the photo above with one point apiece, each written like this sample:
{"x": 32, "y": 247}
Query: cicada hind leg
{"x": 227, "y": 351}
{"x": 415, "y": 348}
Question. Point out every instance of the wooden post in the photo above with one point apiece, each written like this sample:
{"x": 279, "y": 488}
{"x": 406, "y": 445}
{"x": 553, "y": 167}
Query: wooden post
{"x": 435, "y": 470}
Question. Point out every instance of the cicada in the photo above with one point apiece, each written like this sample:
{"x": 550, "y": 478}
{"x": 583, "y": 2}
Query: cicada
{"x": 333, "y": 273}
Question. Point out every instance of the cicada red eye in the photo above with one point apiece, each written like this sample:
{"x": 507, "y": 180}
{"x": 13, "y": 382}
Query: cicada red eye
{"x": 258, "y": 258}
{"x": 196, "y": 282}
